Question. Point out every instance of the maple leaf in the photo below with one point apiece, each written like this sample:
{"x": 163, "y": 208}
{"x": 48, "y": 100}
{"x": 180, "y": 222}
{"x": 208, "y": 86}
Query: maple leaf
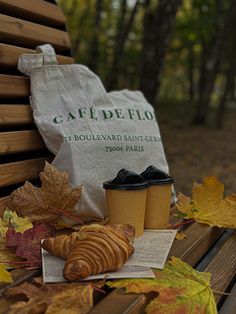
{"x": 5, "y": 276}
{"x": 48, "y": 202}
{"x": 11, "y": 218}
{"x": 28, "y": 243}
{"x": 208, "y": 204}
{"x": 181, "y": 289}
{"x": 20, "y": 225}
{"x": 54, "y": 299}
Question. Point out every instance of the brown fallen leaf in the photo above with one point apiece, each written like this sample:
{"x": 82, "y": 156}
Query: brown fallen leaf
{"x": 53, "y": 299}
{"x": 47, "y": 203}
{"x": 26, "y": 290}
{"x": 180, "y": 235}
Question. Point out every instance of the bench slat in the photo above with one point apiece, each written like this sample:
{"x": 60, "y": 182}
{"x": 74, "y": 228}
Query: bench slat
{"x": 199, "y": 240}
{"x": 118, "y": 303}
{"x": 20, "y": 141}
{"x": 9, "y": 55}
{"x": 38, "y": 11}
{"x": 29, "y": 34}
{"x": 15, "y": 115}
{"x": 14, "y": 86}
{"x": 20, "y": 171}
{"x": 223, "y": 266}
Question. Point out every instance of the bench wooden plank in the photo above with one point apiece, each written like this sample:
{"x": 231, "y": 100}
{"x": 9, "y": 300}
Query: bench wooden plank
{"x": 20, "y": 141}
{"x": 199, "y": 240}
{"x": 223, "y": 266}
{"x": 15, "y": 115}
{"x": 14, "y": 86}
{"x": 9, "y": 56}
{"x": 229, "y": 305}
{"x": 119, "y": 303}
{"x": 20, "y": 171}
{"x": 30, "y": 34}
{"x": 37, "y": 11}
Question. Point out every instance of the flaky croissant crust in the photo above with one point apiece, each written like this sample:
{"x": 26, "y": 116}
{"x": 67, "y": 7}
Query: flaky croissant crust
{"x": 94, "y": 249}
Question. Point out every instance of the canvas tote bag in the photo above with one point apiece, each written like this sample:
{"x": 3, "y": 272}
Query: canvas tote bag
{"x": 93, "y": 134}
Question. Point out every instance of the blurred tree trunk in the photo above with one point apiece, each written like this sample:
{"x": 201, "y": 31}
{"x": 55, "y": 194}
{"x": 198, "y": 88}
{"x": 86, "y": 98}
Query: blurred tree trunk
{"x": 222, "y": 105}
{"x": 94, "y": 46}
{"x": 124, "y": 26}
{"x": 191, "y": 72}
{"x": 158, "y": 26}
{"x": 230, "y": 72}
{"x": 211, "y": 62}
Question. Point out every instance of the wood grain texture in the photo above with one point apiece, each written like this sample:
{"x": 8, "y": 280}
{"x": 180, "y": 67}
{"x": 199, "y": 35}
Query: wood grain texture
{"x": 13, "y": 86}
{"x": 223, "y": 266}
{"x": 9, "y": 56}
{"x": 37, "y": 10}
{"x": 30, "y": 34}
{"x": 20, "y": 141}
{"x": 199, "y": 240}
{"x": 15, "y": 115}
{"x": 119, "y": 303}
{"x": 20, "y": 171}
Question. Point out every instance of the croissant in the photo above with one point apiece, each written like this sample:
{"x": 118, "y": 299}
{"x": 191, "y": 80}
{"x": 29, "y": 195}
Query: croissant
{"x": 94, "y": 249}
{"x": 61, "y": 245}
{"x": 102, "y": 249}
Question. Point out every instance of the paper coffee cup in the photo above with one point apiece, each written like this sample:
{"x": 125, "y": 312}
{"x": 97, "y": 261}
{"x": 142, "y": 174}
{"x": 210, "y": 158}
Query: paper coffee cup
{"x": 157, "y": 212}
{"x": 126, "y": 200}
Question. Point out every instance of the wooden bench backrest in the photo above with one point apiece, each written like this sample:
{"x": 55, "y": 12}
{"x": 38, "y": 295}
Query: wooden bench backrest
{"x": 24, "y": 24}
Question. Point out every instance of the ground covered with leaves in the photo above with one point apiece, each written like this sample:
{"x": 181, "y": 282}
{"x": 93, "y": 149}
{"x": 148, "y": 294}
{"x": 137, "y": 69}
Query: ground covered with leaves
{"x": 195, "y": 152}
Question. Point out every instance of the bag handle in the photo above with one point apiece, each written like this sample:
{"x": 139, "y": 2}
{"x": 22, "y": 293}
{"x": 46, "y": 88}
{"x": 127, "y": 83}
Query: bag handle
{"x": 45, "y": 55}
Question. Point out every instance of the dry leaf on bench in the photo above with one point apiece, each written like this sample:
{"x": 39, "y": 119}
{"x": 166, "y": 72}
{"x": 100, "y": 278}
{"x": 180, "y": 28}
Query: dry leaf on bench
{"x": 55, "y": 299}
{"x": 5, "y": 276}
{"x": 208, "y": 204}
{"x": 181, "y": 290}
{"x": 44, "y": 203}
{"x": 11, "y": 218}
{"x": 180, "y": 235}
{"x": 28, "y": 243}
{"x": 20, "y": 225}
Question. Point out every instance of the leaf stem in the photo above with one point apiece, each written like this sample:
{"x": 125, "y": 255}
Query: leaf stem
{"x": 181, "y": 224}
{"x": 20, "y": 262}
{"x": 98, "y": 289}
{"x": 65, "y": 213}
{"x": 224, "y": 293}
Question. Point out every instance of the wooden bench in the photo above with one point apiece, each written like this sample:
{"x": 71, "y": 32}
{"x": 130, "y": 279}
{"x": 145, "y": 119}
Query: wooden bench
{"x": 24, "y": 25}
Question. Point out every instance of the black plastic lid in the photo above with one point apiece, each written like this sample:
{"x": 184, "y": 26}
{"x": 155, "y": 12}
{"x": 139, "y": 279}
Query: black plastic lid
{"x": 126, "y": 180}
{"x": 156, "y": 176}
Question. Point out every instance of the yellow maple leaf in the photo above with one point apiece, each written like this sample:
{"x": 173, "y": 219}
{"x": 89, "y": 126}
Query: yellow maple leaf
{"x": 180, "y": 288}
{"x": 208, "y": 204}
{"x": 20, "y": 224}
{"x": 5, "y": 276}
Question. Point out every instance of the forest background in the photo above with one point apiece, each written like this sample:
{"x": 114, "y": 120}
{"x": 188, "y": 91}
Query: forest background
{"x": 181, "y": 55}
